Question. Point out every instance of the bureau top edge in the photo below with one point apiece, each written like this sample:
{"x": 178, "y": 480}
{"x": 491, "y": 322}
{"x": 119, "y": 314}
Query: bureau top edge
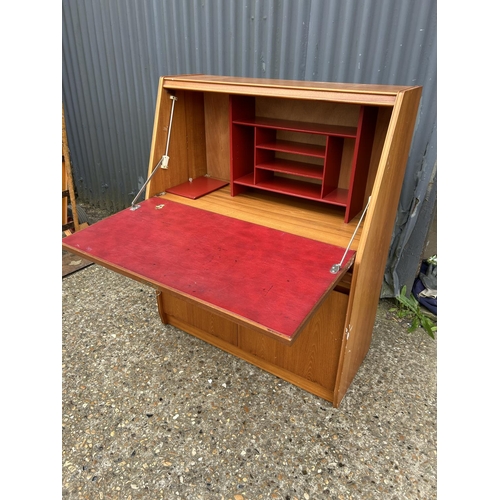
{"x": 355, "y": 93}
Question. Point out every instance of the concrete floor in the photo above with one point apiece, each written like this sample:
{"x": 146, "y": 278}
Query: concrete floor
{"x": 150, "y": 412}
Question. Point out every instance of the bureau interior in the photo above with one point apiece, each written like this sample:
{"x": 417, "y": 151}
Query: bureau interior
{"x": 202, "y": 142}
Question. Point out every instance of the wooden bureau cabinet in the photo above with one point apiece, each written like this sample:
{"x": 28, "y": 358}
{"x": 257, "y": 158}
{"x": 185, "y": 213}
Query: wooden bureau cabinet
{"x": 257, "y": 189}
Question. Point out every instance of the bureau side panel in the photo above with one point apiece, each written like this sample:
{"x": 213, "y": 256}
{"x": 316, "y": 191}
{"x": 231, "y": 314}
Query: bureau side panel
{"x": 375, "y": 240}
{"x": 187, "y": 147}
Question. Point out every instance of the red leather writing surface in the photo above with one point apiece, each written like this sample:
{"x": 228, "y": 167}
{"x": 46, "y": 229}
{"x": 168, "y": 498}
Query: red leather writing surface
{"x": 265, "y": 276}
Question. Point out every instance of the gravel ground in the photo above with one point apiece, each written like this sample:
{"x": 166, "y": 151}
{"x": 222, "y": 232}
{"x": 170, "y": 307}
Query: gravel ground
{"x": 150, "y": 412}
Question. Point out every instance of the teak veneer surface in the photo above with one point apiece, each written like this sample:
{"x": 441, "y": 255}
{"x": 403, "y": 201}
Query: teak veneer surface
{"x": 375, "y": 240}
{"x": 280, "y": 83}
{"x": 285, "y": 213}
{"x": 383, "y": 95}
{"x": 311, "y": 362}
{"x": 335, "y": 336}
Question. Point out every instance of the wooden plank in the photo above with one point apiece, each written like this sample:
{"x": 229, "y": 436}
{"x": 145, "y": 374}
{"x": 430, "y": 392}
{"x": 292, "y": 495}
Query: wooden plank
{"x": 288, "y": 93}
{"x": 299, "y": 126}
{"x": 299, "y": 148}
{"x": 292, "y": 187}
{"x": 177, "y": 171}
{"x": 295, "y": 216}
{"x": 175, "y": 307}
{"x": 195, "y": 134}
{"x": 315, "y": 354}
{"x": 375, "y": 240}
{"x": 69, "y": 176}
{"x": 71, "y": 263}
{"x": 64, "y": 198}
{"x": 217, "y": 135}
{"x": 307, "y": 385}
{"x": 303, "y": 169}
{"x": 310, "y": 363}
{"x": 326, "y": 112}
{"x": 242, "y": 141}
{"x": 299, "y": 189}
{"x": 333, "y": 161}
{"x": 355, "y": 94}
{"x": 295, "y": 84}
{"x": 158, "y": 142}
{"x": 361, "y": 161}
{"x": 383, "y": 119}
{"x": 242, "y": 152}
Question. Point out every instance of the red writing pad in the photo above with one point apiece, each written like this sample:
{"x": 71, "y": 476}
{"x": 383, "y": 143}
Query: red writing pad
{"x": 269, "y": 278}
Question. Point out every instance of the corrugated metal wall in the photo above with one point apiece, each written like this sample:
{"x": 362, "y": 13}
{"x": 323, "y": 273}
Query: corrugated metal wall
{"x": 114, "y": 52}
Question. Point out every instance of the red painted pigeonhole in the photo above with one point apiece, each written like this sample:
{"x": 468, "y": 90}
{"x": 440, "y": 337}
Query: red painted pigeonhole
{"x": 267, "y": 218}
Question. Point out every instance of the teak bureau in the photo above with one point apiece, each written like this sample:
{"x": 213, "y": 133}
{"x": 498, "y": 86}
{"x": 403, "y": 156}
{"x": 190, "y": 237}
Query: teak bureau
{"x": 267, "y": 218}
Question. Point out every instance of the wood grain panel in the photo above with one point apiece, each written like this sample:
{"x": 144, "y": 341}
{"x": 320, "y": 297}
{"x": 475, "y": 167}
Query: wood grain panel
{"x": 345, "y": 169}
{"x": 217, "y": 135}
{"x": 361, "y": 160}
{"x": 375, "y": 240}
{"x": 64, "y": 199}
{"x": 285, "y": 213}
{"x": 331, "y": 113}
{"x": 175, "y": 307}
{"x": 383, "y": 119}
{"x": 195, "y": 134}
{"x": 315, "y": 354}
{"x": 356, "y": 94}
{"x": 235, "y": 81}
{"x": 177, "y": 171}
{"x": 307, "y": 385}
